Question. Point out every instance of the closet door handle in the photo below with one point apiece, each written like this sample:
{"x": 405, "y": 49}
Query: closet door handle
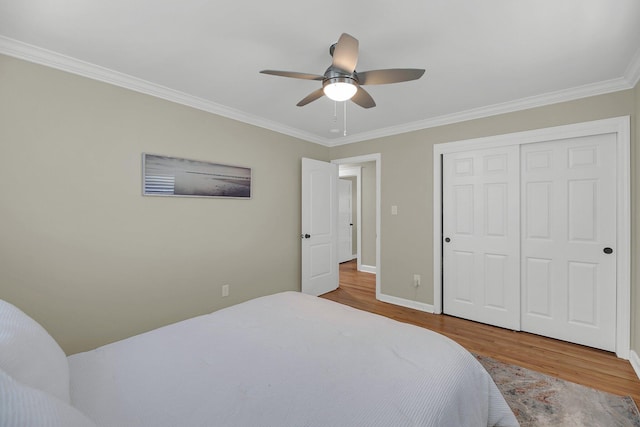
{"x": 446, "y": 239}
{"x": 607, "y": 251}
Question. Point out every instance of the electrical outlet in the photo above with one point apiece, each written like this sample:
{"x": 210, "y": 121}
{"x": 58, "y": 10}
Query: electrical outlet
{"x": 225, "y": 290}
{"x": 416, "y": 280}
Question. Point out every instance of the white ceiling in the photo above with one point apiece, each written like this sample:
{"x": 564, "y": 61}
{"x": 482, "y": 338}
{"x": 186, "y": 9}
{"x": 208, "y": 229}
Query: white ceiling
{"x": 481, "y": 57}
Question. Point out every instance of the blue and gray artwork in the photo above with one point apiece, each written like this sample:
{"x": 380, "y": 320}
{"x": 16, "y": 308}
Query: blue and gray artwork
{"x": 164, "y": 176}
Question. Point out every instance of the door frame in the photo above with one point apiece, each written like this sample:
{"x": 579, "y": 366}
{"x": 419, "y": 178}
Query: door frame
{"x": 350, "y": 218}
{"x": 618, "y": 125}
{"x": 377, "y": 158}
{"x": 356, "y": 171}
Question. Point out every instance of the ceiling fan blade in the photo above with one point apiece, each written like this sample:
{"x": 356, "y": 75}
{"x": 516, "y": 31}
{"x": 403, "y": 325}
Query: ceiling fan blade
{"x": 345, "y": 53}
{"x": 363, "y": 99}
{"x": 293, "y": 74}
{"x": 311, "y": 97}
{"x": 393, "y": 75}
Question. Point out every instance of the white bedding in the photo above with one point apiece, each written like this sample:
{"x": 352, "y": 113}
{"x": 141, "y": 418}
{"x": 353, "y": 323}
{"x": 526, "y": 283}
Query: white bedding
{"x": 286, "y": 360}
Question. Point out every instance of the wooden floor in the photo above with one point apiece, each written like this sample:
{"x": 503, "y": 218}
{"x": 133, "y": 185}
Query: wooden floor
{"x": 594, "y": 368}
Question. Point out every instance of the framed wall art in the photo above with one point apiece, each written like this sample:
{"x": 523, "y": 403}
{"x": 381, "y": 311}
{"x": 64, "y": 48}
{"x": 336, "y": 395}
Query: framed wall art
{"x": 171, "y": 176}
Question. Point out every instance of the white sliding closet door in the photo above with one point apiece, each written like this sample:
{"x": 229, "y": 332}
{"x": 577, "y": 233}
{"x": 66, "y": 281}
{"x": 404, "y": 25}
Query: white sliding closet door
{"x": 481, "y": 236}
{"x": 569, "y": 240}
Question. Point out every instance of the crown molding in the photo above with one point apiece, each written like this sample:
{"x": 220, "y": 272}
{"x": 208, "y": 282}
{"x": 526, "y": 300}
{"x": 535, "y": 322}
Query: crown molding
{"x": 632, "y": 73}
{"x": 585, "y": 91}
{"x": 61, "y": 62}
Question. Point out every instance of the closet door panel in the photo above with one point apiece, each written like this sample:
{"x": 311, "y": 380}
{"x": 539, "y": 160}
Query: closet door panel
{"x": 481, "y": 236}
{"x": 569, "y": 218}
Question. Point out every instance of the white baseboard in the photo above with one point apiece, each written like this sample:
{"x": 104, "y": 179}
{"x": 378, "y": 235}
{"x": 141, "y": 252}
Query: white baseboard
{"x": 635, "y": 362}
{"x": 368, "y": 268}
{"x": 634, "y": 359}
{"x": 421, "y": 306}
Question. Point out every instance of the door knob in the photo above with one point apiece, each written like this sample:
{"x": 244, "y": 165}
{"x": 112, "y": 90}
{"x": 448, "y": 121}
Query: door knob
{"x": 305, "y": 236}
{"x": 607, "y": 251}
{"x": 446, "y": 239}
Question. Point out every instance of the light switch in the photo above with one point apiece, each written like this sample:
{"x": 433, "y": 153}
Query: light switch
{"x": 394, "y": 210}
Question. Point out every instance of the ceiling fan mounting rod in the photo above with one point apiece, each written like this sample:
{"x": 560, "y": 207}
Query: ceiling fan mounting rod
{"x": 332, "y": 48}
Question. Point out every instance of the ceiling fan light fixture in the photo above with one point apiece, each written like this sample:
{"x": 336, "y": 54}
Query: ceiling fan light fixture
{"x": 340, "y": 88}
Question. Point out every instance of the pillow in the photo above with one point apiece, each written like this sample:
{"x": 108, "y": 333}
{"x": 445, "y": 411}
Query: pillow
{"x": 30, "y": 355}
{"x": 21, "y": 405}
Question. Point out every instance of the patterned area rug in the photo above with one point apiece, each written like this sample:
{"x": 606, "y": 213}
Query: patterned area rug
{"x": 540, "y": 400}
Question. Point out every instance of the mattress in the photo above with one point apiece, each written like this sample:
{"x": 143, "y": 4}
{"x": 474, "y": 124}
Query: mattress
{"x": 286, "y": 360}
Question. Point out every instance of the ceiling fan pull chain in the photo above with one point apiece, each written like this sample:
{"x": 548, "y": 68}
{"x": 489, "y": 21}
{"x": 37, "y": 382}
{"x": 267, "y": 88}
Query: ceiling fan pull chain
{"x": 345, "y": 118}
{"x": 335, "y": 111}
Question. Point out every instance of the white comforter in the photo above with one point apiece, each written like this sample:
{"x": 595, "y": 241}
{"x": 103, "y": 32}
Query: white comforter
{"x": 286, "y": 360}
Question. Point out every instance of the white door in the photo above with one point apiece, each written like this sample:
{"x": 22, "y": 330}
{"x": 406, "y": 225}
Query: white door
{"x": 481, "y": 236}
{"x": 345, "y": 249}
{"x": 319, "y": 227}
{"x": 568, "y": 219}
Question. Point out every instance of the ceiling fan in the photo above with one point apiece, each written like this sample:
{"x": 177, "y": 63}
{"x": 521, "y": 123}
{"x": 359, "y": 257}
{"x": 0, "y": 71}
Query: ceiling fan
{"x": 342, "y": 82}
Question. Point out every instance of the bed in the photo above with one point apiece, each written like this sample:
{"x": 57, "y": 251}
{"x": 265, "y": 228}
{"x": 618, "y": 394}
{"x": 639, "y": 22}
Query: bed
{"x": 287, "y": 359}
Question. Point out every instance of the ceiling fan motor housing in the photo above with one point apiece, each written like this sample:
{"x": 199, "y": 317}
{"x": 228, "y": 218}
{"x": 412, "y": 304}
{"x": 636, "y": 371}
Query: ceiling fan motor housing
{"x": 335, "y": 73}
{"x": 340, "y": 79}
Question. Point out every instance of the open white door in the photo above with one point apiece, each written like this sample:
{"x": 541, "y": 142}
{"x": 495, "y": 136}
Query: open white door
{"x": 319, "y": 227}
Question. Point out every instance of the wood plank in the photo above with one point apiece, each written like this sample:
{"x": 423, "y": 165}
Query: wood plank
{"x": 583, "y": 365}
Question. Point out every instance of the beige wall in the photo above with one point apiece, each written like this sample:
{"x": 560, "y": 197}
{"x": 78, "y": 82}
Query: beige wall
{"x": 407, "y": 239}
{"x": 94, "y": 261}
